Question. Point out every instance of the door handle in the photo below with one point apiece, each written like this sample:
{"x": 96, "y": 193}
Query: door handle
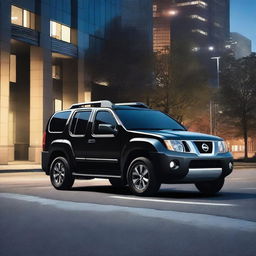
{"x": 91, "y": 141}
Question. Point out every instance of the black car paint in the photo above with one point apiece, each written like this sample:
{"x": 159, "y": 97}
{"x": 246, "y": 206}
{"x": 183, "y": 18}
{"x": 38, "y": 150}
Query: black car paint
{"x": 116, "y": 151}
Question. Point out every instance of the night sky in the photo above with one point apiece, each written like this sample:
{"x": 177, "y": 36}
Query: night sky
{"x": 243, "y": 19}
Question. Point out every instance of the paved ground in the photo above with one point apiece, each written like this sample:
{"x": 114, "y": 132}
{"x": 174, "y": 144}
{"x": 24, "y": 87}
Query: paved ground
{"x": 96, "y": 219}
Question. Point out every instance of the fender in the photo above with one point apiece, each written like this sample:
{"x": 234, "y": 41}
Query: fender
{"x": 65, "y": 147}
{"x": 139, "y": 144}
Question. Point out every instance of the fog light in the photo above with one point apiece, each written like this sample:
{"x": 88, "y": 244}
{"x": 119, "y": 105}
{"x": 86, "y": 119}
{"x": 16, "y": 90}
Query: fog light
{"x": 174, "y": 165}
{"x": 230, "y": 165}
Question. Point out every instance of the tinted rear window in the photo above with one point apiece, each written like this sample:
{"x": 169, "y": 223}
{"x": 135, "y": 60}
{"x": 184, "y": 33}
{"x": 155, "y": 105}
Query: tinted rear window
{"x": 79, "y": 122}
{"x": 59, "y": 121}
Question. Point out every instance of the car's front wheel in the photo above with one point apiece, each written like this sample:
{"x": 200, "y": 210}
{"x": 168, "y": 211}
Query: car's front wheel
{"x": 210, "y": 188}
{"x": 141, "y": 177}
{"x": 60, "y": 174}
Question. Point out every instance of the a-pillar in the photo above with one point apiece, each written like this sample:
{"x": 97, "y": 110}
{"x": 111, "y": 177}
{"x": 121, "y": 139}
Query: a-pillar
{"x": 6, "y": 150}
{"x": 40, "y": 98}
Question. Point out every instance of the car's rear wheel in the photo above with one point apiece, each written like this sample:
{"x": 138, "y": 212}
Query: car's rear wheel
{"x": 210, "y": 188}
{"x": 141, "y": 177}
{"x": 60, "y": 174}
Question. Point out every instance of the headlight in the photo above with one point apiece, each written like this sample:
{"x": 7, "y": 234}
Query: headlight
{"x": 222, "y": 147}
{"x": 174, "y": 145}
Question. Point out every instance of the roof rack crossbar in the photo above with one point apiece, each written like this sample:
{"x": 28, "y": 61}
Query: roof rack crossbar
{"x": 101, "y": 103}
{"x": 133, "y": 104}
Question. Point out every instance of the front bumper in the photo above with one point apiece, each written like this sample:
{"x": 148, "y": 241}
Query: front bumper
{"x": 191, "y": 167}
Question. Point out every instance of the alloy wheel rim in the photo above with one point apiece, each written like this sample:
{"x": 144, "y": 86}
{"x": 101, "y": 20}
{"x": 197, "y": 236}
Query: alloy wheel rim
{"x": 58, "y": 173}
{"x": 140, "y": 177}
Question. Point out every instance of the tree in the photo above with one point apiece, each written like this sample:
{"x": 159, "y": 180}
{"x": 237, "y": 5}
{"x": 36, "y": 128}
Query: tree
{"x": 237, "y": 97}
{"x": 180, "y": 83}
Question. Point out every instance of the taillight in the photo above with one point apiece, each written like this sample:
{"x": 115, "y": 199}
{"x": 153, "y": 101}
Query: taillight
{"x": 44, "y": 141}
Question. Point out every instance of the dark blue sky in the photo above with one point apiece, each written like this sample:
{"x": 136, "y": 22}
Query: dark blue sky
{"x": 243, "y": 19}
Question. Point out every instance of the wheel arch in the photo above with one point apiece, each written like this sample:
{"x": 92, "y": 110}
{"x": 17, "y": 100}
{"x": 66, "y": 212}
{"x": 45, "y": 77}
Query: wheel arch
{"x": 137, "y": 147}
{"x": 61, "y": 149}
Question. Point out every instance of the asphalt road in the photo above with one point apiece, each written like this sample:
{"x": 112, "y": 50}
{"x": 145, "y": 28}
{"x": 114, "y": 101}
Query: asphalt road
{"x": 97, "y": 219}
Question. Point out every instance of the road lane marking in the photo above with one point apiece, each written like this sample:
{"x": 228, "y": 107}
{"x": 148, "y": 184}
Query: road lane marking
{"x": 171, "y": 201}
{"x": 248, "y": 188}
{"x": 193, "y": 219}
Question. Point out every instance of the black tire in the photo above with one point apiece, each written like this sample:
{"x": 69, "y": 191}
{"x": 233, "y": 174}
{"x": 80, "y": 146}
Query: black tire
{"x": 60, "y": 174}
{"x": 116, "y": 182}
{"x": 146, "y": 183}
{"x": 210, "y": 188}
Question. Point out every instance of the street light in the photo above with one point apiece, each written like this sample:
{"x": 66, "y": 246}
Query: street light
{"x": 211, "y": 48}
{"x": 213, "y": 105}
{"x": 218, "y": 69}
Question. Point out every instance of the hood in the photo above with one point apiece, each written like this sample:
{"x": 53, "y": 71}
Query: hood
{"x": 181, "y": 135}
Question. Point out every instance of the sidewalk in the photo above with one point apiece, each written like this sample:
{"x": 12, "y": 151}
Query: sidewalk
{"x": 26, "y": 166}
{"x": 240, "y": 165}
{"x": 20, "y": 166}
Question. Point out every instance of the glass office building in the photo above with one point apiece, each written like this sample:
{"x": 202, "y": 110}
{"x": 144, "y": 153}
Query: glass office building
{"x": 43, "y": 68}
{"x": 205, "y": 23}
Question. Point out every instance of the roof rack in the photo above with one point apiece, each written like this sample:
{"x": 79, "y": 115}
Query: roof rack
{"x": 133, "y": 104}
{"x": 101, "y": 103}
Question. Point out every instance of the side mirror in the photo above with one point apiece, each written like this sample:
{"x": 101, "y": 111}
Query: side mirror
{"x": 106, "y": 129}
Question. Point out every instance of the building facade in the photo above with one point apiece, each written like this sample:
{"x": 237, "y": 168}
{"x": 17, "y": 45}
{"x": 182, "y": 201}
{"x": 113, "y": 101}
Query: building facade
{"x": 43, "y": 49}
{"x": 204, "y": 23}
{"x": 241, "y": 45}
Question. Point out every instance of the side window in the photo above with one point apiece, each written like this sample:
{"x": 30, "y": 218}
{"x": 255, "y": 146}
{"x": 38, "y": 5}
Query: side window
{"x": 79, "y": 122}
{"x": 103, "y": 117}
{"x": 58, "y": 121}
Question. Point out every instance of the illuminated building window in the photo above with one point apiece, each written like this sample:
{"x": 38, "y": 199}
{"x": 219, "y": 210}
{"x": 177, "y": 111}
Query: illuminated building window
{"x": 199, "y": 3}
{"x": 56, "y": 72}
{"x": 57, "y": 105}
{"x": 16, "y": 16}
{"x": 60, "y": 32}
{"x": 155, "y": 10}
{"x": 194, "y": 16}
{"x": 161, "y": 38}
{"x": 200, "y": 31}
{"x": 13, "y": 68}
{"x": 23, "y": 17}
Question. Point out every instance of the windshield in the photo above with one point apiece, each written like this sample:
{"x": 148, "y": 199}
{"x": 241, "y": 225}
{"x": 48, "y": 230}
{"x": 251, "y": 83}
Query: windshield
{"x": 147, "y": 120}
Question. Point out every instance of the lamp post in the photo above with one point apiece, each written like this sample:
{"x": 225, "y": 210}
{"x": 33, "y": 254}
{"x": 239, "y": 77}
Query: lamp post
{"x": 218, "y": 69}
{"x": 213, "y": 105}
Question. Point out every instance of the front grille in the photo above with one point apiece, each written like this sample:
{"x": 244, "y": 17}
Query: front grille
{"x": 204, "y": 147}
{"x": 205, "y": 164}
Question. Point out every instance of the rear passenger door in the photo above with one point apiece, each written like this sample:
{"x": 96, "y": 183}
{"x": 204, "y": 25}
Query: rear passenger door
{"x": 78, "y": 131}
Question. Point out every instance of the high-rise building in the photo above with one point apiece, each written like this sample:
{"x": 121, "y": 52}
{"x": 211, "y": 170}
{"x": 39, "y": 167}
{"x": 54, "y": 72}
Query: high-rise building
{"x": 43, "y": 49}
{"x": 204, "y": 23}
{"x": 241, "y": 45}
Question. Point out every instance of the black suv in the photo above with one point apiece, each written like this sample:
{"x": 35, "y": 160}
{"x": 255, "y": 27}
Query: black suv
{"x": 130, "y": 144}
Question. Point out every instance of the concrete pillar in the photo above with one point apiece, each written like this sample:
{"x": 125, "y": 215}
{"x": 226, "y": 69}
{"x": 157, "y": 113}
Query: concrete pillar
{"x": 41, "y": 89}
{"x": 6, "y": 150}
{"x": 84, "y": 89}
{"x": 40, "y": 98}
{"x": 70, "y": 88}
